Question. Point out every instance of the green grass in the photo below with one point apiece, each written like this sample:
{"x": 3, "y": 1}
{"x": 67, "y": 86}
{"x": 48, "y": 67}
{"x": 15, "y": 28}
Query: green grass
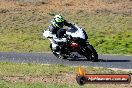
{"x": 4, "y": 84}
{"x": 15, "y": 69}
{"x": 22, "y": 69}
{"x": 19, "y": 42}
{"x": 21, "y": 30}
{"x": 27, "y": 69}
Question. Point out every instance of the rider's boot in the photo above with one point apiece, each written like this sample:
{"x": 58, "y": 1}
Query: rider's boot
{"x": 55, "y": 48}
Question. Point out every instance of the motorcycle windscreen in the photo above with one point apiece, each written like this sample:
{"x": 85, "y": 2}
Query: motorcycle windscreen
{"x": 76, "y": 33}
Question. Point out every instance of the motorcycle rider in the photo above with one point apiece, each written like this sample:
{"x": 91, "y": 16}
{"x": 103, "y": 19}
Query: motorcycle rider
{"x": 56, "y": 28}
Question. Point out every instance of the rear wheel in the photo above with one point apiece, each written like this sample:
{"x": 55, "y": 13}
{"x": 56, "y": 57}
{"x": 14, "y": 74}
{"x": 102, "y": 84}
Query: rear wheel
{"x": 58, "y": 55}
{"x": 62, "y": 57}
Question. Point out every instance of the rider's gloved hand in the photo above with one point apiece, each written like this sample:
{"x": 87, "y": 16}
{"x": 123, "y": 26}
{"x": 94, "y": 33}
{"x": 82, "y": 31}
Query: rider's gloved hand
{"x": 65, "y": 36}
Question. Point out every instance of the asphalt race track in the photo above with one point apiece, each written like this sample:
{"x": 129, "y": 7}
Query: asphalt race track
{"x": 109, "y": 61}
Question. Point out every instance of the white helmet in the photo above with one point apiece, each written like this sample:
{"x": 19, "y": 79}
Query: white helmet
{"x": 58, "y": 21}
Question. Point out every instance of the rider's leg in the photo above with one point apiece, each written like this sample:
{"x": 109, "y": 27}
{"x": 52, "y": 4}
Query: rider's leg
{"x": 60, "y": 33}
{"x": 57, "y": 42}
{"x": 54, "y": 46}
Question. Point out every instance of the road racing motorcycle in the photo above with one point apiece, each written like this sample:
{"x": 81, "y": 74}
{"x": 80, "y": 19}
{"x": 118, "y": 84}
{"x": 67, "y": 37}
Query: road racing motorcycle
{"x": 76, "y": 46}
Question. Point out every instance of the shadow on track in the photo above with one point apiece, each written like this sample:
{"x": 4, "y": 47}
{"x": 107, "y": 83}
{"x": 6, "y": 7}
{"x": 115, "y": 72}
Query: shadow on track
{"x": 101, "y": 60}
{"x": 78, "y": 59}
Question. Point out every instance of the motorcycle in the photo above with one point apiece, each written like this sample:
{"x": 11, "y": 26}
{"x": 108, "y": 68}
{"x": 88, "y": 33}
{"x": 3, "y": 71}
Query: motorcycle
{"x": 76, "y": 44}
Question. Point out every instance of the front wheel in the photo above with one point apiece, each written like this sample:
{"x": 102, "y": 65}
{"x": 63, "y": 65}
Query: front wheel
{"x": 93, "y": 56}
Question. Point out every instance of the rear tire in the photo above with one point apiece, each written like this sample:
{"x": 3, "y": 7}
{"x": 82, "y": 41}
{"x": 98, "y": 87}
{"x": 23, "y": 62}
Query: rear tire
{"x": 58, "y": 55}
{"x": 55, "y": 54}
{"x": 62, "y": 57}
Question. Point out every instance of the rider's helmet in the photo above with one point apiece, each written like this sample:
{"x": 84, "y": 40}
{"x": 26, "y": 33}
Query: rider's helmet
{"x": 58, "y": 21}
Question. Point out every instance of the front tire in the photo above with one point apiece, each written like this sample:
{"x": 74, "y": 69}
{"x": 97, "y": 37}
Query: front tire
{"x": 92, "y": 53}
